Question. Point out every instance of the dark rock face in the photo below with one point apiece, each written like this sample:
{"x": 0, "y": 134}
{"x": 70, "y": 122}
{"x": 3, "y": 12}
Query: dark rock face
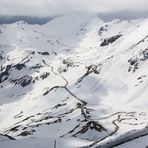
{"x": 134, "y": 62}
{"x": 145, "y": 54}
{"x": 45, "y": 75}
{"x": 37, "y": 66}
{"x": 110, "y": 40}
{"x": 26, "y": 133}
{"x": 19, "y": 66}
{"x": 67, "y": 64}
{"x": 44, "y": 53}
{"x": 93, "y": 125}
{"x": 14, "y": 129}
{"x": 102, "y": 29}
{"x": 133, "y": 65}
{"x": 8, "y": 136}
{"x": 90, "y": 69}
{"x": 4, "y": 75}
{"x": 23, "y": 81}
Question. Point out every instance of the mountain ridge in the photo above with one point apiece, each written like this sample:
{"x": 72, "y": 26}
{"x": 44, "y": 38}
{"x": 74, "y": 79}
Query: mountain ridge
{"x": 58, "y": 82}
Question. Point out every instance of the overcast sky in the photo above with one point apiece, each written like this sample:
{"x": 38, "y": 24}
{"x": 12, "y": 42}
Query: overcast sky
{"x": 55, "y": 7}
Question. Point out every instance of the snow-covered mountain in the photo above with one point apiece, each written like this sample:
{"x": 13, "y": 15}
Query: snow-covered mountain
{"x": 76, "y": 81}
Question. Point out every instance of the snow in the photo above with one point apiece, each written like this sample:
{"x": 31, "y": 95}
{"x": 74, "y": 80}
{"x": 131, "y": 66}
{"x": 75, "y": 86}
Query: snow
{"x": 86, "y": 82}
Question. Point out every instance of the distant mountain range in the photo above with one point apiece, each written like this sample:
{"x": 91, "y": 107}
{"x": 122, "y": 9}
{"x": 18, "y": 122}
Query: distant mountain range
{"x": 28, "y": 19}
{"x": 124, "y": 15}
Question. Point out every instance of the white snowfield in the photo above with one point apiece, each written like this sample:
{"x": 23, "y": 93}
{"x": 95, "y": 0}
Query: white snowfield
{"x": 76, "y": 81}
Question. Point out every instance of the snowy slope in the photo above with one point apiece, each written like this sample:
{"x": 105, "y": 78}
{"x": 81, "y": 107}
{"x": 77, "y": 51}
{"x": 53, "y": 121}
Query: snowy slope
{"x": 76, "y": 80}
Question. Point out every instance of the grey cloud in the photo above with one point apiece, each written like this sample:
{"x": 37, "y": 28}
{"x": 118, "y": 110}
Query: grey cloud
{"x": 55, "y": 7}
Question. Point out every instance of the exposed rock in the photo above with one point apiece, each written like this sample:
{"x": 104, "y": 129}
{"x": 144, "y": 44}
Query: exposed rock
{"x": 19, "y": 66}
{"x": 110, "y": 40}
{"x": 44, "y": 75}
{"x": 4, "y": 75}
{"x": 134, "y": 62}
{"x": 102, "y": 29}
{"x": 44, "y": 53}
{"x": 23, "y": 81}
{"x": 26, "y": 133}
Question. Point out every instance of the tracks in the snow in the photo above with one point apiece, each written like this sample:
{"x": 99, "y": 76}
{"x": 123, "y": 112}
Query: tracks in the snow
{"x": 112, "y": 133}
{"x": 64, "y": 86}
{"x": 122, "y": 139}
{"x": 83, "y": 107}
